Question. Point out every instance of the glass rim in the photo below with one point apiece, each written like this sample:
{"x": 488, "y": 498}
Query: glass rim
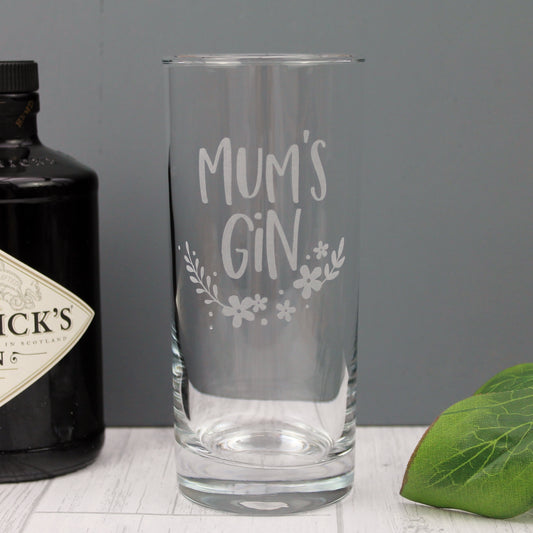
{"x": 230, "y": 60}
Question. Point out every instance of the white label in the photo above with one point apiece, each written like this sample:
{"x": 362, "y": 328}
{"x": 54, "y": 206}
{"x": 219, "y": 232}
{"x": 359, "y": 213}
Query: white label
{"x": 40, "y": 321}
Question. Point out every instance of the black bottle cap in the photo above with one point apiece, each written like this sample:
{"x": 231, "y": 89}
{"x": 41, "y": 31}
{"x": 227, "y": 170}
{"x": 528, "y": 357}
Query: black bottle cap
{"x": 18, "y": 77}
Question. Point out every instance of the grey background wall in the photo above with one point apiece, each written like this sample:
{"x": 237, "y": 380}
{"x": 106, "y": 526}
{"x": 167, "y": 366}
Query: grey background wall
{"x": 447, "y": 170}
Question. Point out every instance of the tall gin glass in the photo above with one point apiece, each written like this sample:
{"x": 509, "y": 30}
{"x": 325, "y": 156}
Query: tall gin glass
{"x": 264, "y": 222}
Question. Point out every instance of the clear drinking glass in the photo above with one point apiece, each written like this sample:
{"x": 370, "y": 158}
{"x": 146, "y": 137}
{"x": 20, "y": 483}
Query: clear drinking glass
{"x": 264, "y": 224}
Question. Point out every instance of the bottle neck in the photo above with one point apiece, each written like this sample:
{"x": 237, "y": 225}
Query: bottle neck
{"x": 18, "y": 119}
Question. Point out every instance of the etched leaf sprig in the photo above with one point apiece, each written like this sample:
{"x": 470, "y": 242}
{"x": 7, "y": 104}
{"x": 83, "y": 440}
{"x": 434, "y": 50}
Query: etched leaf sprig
{"x": 478, "y": 454}
{"x": 337, "y": 260}
{"x": 196, "y": 275}
{"x": 237, "y": 309}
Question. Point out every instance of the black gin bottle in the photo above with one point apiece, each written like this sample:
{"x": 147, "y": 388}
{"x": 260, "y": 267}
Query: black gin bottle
{"x": 51, "y": 413}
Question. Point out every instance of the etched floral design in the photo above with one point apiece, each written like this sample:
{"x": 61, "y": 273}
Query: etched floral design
{"x": 321, "y": 249}
{"x": 239, "y": 310}
{"x": 236, "y": 308}
{"x": 259, "y": 303}
{"x": 285, "y": 311}
{"x": 309, "y": 281}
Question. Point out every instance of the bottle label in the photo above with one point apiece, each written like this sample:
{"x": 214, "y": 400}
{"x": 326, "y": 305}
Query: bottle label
{"x": 40, "y": 321}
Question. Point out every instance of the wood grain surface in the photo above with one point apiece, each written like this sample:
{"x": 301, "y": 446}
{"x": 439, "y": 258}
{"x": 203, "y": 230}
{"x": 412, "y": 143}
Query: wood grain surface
{"x": 132, "y": 487}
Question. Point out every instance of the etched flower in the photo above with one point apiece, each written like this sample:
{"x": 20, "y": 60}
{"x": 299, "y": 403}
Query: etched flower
{"x": 309, "y": 281}
{"x": 321, "y": 249}
{"x": 259, "y": 304}
{"x": 285, "y": 310}
{"x": 238, "y": 310}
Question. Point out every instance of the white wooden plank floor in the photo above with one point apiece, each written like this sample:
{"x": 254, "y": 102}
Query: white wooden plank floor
{"x": 132, "y": 488}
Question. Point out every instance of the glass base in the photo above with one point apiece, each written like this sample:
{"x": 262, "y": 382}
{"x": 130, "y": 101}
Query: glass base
{"x": 264, "y": 468}
{"x": 270, "y": 499}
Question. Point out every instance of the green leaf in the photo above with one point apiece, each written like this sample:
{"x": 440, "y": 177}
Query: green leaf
{"x": 514, "y": 378}
{"x": 478, "y": 455}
